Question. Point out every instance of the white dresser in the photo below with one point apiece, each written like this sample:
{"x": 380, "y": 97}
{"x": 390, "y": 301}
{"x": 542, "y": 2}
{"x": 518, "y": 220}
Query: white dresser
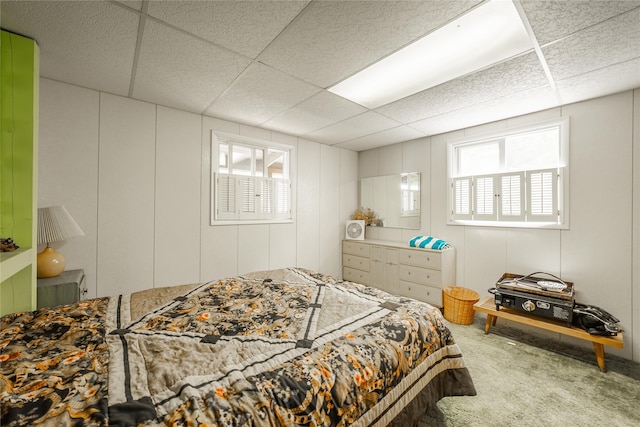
{"x": 400, "y": 269}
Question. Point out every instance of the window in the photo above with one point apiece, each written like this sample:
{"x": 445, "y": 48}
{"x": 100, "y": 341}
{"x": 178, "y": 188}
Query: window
{"x": 516, "y": 178}
{"x": 251, "y": 180}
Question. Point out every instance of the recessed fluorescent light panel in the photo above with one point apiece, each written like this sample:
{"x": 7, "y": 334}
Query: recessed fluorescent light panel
{"x": 487, "y": 35}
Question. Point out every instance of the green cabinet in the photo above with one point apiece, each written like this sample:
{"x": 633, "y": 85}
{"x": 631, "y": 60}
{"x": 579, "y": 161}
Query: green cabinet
{"x": 19, "y": 81}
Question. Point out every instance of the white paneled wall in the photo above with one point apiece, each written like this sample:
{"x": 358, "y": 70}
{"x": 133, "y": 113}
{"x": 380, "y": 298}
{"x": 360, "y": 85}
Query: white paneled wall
{"x": 597, "y": 251}
{"x": 308, "y": 212}
{"x": 126, "y": 194}
{"x": 177, "y": 201}
{"x": 330, "y": 234}
{"x": 136, "y": 176}
{"x": 68, "y": 168}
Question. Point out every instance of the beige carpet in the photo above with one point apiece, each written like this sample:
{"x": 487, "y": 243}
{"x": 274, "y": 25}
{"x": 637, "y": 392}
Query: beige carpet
{"x": 524, "y": 380}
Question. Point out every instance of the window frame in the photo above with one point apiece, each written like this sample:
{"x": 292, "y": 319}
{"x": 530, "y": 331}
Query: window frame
{"x": 273, "y": 186}
{"x": 558, "y": 219}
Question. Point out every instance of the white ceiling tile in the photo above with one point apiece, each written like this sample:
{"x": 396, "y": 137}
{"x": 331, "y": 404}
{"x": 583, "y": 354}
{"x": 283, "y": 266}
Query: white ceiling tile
{"x": 516, "y": 75}
{"x": 611, "y": 42}
{"x": 186, "y": 60}
{"x": 553, "y": 19}
{"x": 380, "y": 139}
{"x": 91, "y": 44}
{"x": 259, "y": 94}
{"x": 364, "y": 124}
{"x": 331, "y": 40}
{"x": 246, "y": 27}
{"x": 496, "y": 109}
{"x": 322, "y": 109}
{"x": 178, "y": 70}
{"x": 617, "y": 78}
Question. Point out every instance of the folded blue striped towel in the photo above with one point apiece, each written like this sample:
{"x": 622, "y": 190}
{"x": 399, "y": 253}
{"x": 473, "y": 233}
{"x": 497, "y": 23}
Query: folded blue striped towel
{"x": 428, "y": 242}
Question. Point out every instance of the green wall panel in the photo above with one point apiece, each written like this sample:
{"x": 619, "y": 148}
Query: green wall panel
{"x": 19, "y": 78}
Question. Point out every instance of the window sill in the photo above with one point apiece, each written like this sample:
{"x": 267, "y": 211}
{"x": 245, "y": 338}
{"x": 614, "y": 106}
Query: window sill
{"x": 510, "y": 224}
{"x": 252, "y": 222}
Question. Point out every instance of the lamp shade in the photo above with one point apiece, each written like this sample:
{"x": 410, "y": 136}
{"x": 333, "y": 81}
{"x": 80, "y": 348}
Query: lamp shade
{"x": 55, "y": 225}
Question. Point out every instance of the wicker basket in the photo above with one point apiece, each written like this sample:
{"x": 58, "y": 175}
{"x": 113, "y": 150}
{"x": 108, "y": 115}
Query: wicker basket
{"x": 458, "y": 304}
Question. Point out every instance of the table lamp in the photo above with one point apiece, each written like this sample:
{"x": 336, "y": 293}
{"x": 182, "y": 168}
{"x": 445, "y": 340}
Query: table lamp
{"x": 54, "y": 225}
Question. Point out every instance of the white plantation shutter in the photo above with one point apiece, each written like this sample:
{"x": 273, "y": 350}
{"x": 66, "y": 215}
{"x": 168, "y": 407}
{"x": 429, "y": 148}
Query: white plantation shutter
{"x": 542, "y": 195}
{"x": 461, "y": 197}
{"x": 247, "y": 198}
{"x": 282, "y": 198}
{"x": 265, "y": 200}
{"x": 484, "y": 198}
{"x": 226, "y": 192}
{"x": 512, "y": 197}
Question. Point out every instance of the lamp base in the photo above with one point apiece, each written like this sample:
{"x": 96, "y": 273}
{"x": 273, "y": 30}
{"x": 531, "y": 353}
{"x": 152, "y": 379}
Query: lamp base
{"x": 50, "y": 263}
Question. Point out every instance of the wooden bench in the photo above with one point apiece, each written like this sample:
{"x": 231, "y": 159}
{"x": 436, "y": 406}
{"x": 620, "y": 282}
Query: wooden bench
{"x": 487, "y": 305}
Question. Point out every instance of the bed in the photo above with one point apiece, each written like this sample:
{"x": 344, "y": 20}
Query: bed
{"x": 288, "y": 347}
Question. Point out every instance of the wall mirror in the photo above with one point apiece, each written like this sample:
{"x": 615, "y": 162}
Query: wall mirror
{"x": 394, "y": 198}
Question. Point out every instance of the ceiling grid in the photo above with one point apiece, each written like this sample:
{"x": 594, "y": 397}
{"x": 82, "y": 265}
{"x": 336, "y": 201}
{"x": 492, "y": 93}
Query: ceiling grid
{"x": 269, "y": 63}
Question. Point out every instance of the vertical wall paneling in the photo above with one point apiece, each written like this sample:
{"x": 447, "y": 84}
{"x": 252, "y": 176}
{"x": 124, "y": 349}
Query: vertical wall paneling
{"x": 368, "y": 163}
{"x": 438, "y": 212}
{"x": 416, "y": 157}
{"x": 533, "y": 250}
{"x": 489, "y": 261}
{"x": 253, "y": 248}
{"x": 177, "y": 200}
{"x": 330, "y": 249}
{"x": 601, "y": 204}
{"x": 308, "y": 205}
{"x": 126, "y": 195}
{"x": 219, "y": 252}
{"x": 348, "y": 190}
{"x": 143, "y": 185}
{"x": 390, "y": 160}
{"x": 68, "y": 172}
{"x": 282, "y": 245}
{"x": 216, "y": 260}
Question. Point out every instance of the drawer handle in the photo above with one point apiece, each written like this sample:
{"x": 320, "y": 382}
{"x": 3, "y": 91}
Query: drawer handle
{"x": 428, "y": 277}
{"x": 428, "y": 259}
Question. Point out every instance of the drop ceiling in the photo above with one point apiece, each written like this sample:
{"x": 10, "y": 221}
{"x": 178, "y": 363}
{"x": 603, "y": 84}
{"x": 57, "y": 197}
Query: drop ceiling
{"x": 269, "y": 63}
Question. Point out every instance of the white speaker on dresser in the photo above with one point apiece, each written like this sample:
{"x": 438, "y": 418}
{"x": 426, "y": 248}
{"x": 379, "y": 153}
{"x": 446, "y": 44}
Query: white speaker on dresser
{"x": 355, "y": 229}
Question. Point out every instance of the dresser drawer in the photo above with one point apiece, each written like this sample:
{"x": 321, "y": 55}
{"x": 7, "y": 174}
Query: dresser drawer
{"x": 426, "y": 259}
{"x": 355, "y": 248}
{"x": 429, "y": 294}
{"x": 356, "y": 262}
{"x": 424, "y": 276}
{"x": 353, "y": 275}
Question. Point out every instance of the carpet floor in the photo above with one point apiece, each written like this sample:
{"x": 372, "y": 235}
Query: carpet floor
{"x": 525, "y": 380}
